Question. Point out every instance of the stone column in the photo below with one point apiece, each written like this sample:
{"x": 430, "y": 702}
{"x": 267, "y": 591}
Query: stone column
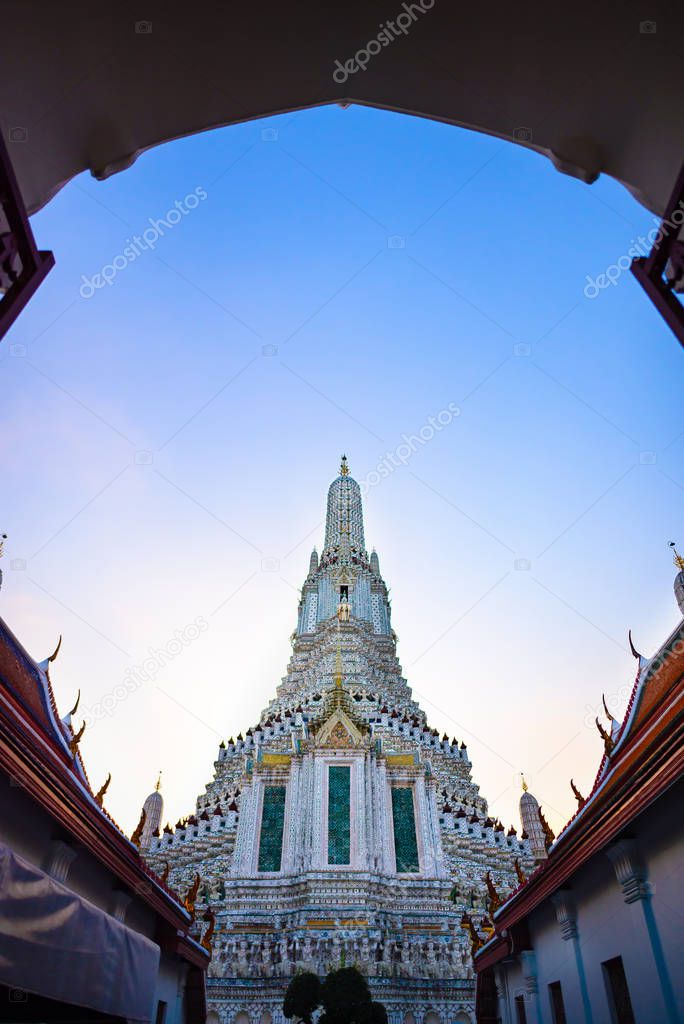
{"x": 246, "y": 843}
{"x": 436, "y": 836}
{"x": 528, "y": 963}
{"x": 306, "y": 809}
{"x": 292, "y": 832}
{"x": 358, "y": 809}
{"x": 424, "y": 827}
{"x": 631, "y": 874}
{"x": 369, "y": 804}
{"x": 501, "y": 983}
{"x": 385, "y": 824}
{"x": 566, "y": 916}
{"x": 318, "y": 825}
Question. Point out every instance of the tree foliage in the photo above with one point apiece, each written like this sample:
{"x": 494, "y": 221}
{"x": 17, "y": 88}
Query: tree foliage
{"x": 344, "y": 998}
{"x": 303, "y": 996}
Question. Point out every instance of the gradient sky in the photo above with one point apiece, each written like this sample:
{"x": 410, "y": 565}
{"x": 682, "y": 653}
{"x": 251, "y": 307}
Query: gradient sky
{"x": 168, "y": 442}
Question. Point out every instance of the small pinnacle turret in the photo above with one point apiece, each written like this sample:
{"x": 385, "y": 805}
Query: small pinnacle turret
{"x": 679, "y": 578}
{"x": 153, "y": 809}
{"x": 531, "y": 821}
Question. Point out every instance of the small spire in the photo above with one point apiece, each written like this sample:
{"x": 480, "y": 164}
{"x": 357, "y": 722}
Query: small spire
{"x": 3, "y": 538}
{"x": 156, "y": 788}
{"x": 344, "y": 468}
{"x": 524, "y": 784}
{"x": 679, "y": 578}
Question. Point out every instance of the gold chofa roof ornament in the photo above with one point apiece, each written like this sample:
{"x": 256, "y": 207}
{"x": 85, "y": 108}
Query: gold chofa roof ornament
{"x": 677, "y": 558}
{"x": 344, "y": 468}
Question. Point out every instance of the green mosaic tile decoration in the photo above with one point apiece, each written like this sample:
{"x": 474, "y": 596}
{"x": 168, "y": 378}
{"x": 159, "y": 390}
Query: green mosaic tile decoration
{"x": 405, "y": 843}
{"x": 272, "y": 824}
{"x": 339, "y": 814}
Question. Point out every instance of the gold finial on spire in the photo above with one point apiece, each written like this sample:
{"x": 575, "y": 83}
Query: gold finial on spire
{"x": 677, "y": 558}
{"x": 156, "y": 788}
{"x": 344, "y": 468}
{"x": 524, "y": 784}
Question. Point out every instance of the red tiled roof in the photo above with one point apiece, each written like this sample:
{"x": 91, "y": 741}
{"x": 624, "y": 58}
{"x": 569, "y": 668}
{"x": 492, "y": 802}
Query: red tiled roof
{"x": 34, "y": 750}
{"x": 648, "y": 755}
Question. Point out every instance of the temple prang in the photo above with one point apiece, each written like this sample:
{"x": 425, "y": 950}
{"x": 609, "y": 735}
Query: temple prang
{"x": 342, "y": 829}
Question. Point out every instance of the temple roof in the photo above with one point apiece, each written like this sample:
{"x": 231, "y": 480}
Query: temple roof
{"x": 36, "y": 751}
{"x": 647, "y": 757}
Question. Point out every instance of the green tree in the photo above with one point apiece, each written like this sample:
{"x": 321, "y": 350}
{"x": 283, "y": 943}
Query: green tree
{"x": 303, "y": 996}
{"x": 344, "y": 997}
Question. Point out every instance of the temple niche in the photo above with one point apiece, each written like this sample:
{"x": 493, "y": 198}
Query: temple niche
{"x": 341, "y": 829}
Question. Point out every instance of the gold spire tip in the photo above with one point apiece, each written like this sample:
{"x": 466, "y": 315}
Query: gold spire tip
{"x": 524, "y": 784}
{"x": 344, "y": 468}
{"x": 677, "y": 558}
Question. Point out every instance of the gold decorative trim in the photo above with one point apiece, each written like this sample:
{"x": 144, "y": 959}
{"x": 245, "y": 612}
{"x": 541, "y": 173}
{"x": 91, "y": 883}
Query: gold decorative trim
{"x": 269, "y": 759}
{"x": 406, "y": 760}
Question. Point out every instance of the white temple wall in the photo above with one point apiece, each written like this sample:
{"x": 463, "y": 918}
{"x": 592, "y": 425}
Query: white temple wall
{"x": 607, "y": 926}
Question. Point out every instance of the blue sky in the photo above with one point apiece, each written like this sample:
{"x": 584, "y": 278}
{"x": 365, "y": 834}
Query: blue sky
{"x": 168, "y": 442}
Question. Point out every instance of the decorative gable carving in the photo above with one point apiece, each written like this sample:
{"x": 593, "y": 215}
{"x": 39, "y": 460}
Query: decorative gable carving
{"x": 339, "y": 731}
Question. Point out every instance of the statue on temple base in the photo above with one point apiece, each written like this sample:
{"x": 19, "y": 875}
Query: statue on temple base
{"x": 242, "y": 960}
{"x": 266, "y": 966}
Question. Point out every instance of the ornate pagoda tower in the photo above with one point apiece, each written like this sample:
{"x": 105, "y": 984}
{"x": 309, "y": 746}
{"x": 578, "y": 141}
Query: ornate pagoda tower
{"x": 341, "y": 829}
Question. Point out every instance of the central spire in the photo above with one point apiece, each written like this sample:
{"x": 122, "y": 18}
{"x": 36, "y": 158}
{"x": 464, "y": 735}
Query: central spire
{"x": 344, "y": 519}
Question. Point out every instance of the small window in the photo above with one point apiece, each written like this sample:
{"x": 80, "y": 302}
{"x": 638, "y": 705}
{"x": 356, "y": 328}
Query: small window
{"x": 557, "y": 1005}
{"x": 618, "y": 992}
{"x": 520, "y": 1011}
